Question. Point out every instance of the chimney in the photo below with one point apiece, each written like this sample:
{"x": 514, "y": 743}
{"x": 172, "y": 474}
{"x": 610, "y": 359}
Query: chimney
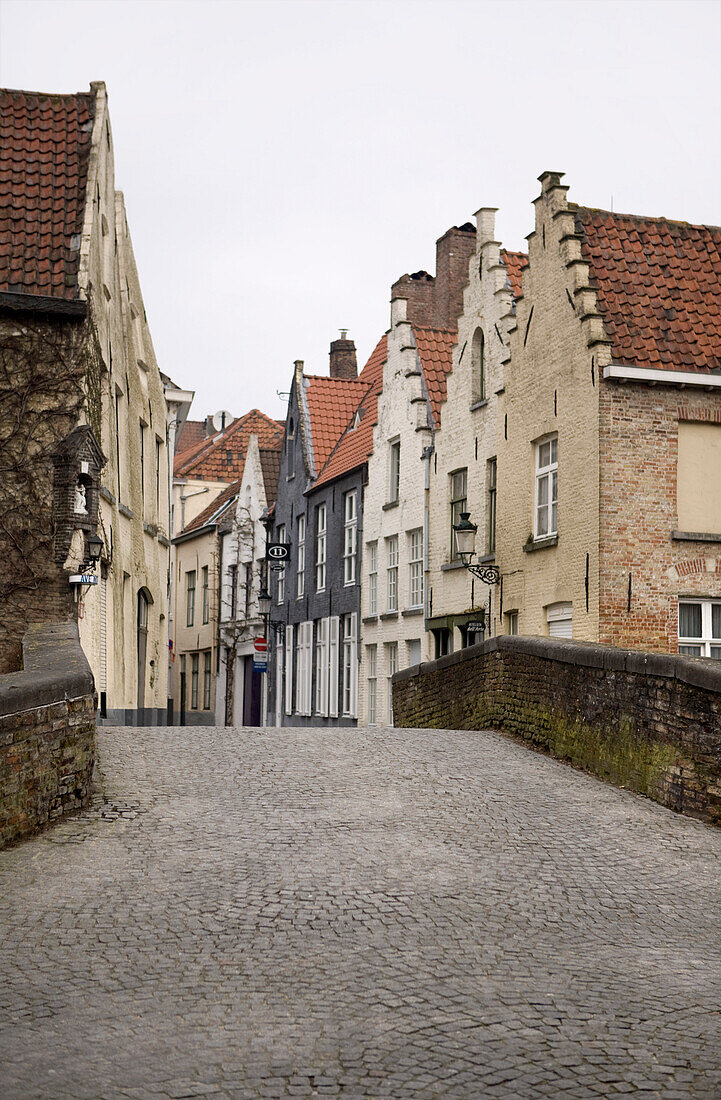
{"x": 417, "y": 289}
{"x": 343, "y": 362}
{"x": 453, "y": 253}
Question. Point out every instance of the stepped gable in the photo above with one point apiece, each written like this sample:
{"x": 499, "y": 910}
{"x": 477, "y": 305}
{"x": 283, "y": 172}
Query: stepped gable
{"x": 221, "y": 457}
{"x": 515, "y": 263}
{"x": 356, "y": 443}
{"x": 216, "y": 508}
{"x": 658, "y": 288}
{"x": 331, "y": 403}
{"x": 435, "y": 350}
{"x": 44, "y": 151}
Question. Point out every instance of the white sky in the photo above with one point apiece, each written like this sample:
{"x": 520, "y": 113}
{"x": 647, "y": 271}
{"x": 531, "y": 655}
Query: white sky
{"x": 284, "y": 161}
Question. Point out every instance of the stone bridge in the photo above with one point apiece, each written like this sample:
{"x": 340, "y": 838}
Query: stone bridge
{"x": 364, "y": 913}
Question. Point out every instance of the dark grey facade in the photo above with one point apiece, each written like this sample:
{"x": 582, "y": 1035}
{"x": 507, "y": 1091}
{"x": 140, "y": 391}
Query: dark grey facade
{"x": 328, "y": 596}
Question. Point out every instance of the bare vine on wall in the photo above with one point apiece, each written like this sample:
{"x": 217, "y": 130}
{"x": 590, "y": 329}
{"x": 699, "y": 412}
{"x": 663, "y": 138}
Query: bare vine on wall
{"x": 43, "y": 369}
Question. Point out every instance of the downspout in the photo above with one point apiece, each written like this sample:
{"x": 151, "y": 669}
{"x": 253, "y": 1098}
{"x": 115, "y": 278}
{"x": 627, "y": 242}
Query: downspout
{"x": 426, "y": 456}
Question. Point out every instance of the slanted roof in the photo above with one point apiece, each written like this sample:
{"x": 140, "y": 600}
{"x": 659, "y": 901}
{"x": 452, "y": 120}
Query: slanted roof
{"x": 515, "y": 263}
{"x": 331, "y": 403}
{"x": 356, "y": 443}
{"x": 270, "y": 466}
{"x": 44, "y": 151}
{"x": 216, "y": 509}
{"x": 435, "y": 350}
{"x": 221, "y": 457}
{"x": 658, "y": 287}
{"x": 192, "y": 433}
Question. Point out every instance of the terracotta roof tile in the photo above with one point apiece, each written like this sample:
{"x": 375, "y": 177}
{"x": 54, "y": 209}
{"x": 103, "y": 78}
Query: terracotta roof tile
{"x": 515, "y": 263}
{"x": 435, "y": 349}
{"x": 221, "y": 457}
{"x": 331, "y": 404}
{"x": 44, "y": 149}
{"x": 270, "y": 465}
{"x": 658, "y": 288}
{"x": 356, "y": 443}
{"x": 192, "y": 433}
{"x": 215, "y": 509}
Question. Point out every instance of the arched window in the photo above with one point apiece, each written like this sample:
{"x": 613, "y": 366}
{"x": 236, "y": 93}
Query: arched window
{"x": 478, "y": 369}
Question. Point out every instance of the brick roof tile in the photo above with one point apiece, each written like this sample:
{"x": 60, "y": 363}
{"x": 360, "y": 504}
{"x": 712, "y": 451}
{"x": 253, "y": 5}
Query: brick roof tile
{"x": 331, "y": 404}
{"x": 515, "y": 263}
{"x": 658, "y": 285}
{"x": 44, "y": 150}
{"x": 435, "y": 349}
{"x": 221, "y": 457}
{"x": 356, "y": 443}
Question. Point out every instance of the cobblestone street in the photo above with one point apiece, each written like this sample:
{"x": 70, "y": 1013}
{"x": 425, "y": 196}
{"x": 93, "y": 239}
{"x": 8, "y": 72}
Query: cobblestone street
{"x": 359, "y": 913}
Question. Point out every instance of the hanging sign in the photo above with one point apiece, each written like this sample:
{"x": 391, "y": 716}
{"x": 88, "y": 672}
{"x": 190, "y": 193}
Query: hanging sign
{"x": 278, "y": 552}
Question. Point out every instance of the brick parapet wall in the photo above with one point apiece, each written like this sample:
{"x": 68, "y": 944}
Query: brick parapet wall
{"x": 649, "y": 722}
{"x": 47, "y": 732}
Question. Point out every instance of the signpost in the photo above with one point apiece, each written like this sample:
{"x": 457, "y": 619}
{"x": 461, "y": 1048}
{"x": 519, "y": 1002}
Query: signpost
{"x": 278, "y": 552}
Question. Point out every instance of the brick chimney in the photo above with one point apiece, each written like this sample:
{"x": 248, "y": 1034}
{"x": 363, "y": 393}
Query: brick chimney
{"x": 453, "y": 252}
{"x": 343, "y": 362}
{"x": 417, "y": 289}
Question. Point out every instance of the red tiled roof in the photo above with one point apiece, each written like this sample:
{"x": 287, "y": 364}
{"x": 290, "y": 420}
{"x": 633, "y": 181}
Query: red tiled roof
{"x": 515, "y": 263}
{"x": 356, "y": 444}
{"x": 215, "y": 508}
{"x": 270, "y": 465}
{"x": 435, "y": 348}
{"x": 331, "y": 404}
{"x": 658, "y": 288}
{"x": 44, "y": 149}
{"x": 192, "y": 433}
{"x": 221, "y": 457}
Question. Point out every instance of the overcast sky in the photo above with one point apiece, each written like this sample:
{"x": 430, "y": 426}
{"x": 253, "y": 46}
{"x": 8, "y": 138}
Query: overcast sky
{"x": 284, "y": 161}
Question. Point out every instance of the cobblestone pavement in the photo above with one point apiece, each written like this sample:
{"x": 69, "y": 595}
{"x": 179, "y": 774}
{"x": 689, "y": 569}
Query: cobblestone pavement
{"x": 358, "y": 913}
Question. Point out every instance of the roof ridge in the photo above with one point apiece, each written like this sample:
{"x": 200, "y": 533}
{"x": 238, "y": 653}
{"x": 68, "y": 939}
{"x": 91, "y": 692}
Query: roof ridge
{"x": 577, "y": 208}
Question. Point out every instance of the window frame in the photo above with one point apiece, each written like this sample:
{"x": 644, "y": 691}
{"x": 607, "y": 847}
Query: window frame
{"x": 194, "y": 676}
{"x": 280, "y": 594}
{"x": 300, "y": 563}
{"x": 458, "y": 502}
{"x": 392, "y": 559}
{"x": 372, "y": 556}
{"x": 415, "y": 568}
{"x": 478, "y": 367}
{"x": 321, "y": 546}
{"x": 394, "y": 471}
{"x": 546, "y": 475}
{"x": 190, "y": 597}
{"x": 492, "y": 500}
{"x": 206, "y": 679}
{"x": 372, "y": 683}
{"x": 350, "y": 537}
{"x": 205, "y": 594}
{"x": 706, "y": 641}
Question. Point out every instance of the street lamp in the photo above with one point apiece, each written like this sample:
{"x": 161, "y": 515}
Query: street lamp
{"x": 95, "y": 548}
{"x": 465, "y": 534}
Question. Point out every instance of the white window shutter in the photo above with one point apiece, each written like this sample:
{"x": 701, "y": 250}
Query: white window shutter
{"x": 308, "y": 668}
{"x": 354, "y": 666}
{"x": 323, "y": 670}
{"x": 289, "y": 669}
{"x": 333, "y": 672}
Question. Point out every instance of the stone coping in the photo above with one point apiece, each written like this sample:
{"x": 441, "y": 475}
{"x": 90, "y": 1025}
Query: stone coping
{"x": 55, "y": 669}
{"x": 698, "y": 672}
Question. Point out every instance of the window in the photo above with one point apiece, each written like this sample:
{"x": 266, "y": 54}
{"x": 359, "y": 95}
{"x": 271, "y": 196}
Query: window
{"x": 350, "y": 537}
{"x": 699, "y": 628}
{"x": 158, "y": 445}
{"x": 394, "y": 472}
{"x": 491, "y": 506}
{"x": 300, "y": 576}
{"x": 372, "y": 666}
{"x": 233, "y": 576}
{"x": 206, "y": 680}
{"x": 205, "y": 590}
{"x": 350, "y": 667}
{"x": 559, "y": 617}
{"x": 194, "y": 669}
{"x": 142, "y": 459}
{"x": 320, "y": 547}
{"x": 698, "y": 484}
{"x": 248, "y": 572}
{"x": 442, "y": 638}
{"x": 512, "y": 622}
{"x": 190, "y": 598}
{"x": 118, "y": 395}
{"x": 333, "y": 674}
{"x": 414, "y": 652}
{"x": 546, "y": 523}
{"x": 392, "y": 573}
{"x": 321, "y": 668}
{"x": 415, "y": 568}
{"x": 372, "y": 555}
{"x": 289, "y": 669}
{"x": 391, "y": 669}
{"x": 281, "y": 571}
{"x": 459, "y": 483}
{"x": 304, "y": 668}
{"x": 478, "y": 367}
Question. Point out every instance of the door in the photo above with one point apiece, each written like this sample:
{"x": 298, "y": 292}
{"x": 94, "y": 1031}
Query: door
{"x": 252, "y": 682}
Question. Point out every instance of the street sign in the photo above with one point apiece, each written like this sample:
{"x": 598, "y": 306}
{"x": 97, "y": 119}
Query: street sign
{"x": 278, "y": 551}
{"x": 260, "y": 645}
{"x": 260, "y": 662}
{"x": 83, "y": 578}
{"x": 476, "y": 627}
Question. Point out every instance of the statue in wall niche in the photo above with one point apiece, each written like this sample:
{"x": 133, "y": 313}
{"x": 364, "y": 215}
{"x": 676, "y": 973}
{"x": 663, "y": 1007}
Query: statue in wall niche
{"x": 81, "y": 504}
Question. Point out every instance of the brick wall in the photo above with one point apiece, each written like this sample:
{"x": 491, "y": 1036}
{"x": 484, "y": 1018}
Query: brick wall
{"x": 648, "y": 722}
{"x": 47, "y": 732}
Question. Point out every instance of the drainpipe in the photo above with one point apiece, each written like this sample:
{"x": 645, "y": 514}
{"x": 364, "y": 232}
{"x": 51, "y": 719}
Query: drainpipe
{"x": 188, "y": 496}
{"x": 426, "y": 456}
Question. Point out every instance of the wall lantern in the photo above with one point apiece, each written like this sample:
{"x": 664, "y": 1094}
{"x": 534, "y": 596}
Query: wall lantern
{"x": 465, "y": 535}
{"x": 264, "y": 601}
{"x": 95, "y": 548}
